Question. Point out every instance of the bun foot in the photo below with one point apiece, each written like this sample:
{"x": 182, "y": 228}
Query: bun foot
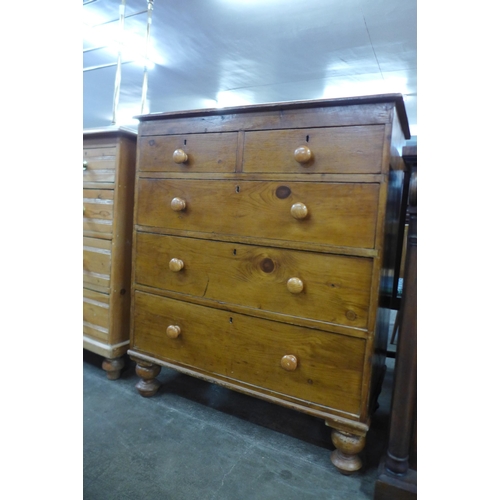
{"x": 113, "y": 367}
{"x": 148, "y": 385}
{"x": 345, "y": 458}
{"x": 147, "y": 388}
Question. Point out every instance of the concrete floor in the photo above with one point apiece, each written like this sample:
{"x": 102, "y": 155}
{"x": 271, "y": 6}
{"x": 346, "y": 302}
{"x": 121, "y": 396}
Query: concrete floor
{"x": 198, "y": 441}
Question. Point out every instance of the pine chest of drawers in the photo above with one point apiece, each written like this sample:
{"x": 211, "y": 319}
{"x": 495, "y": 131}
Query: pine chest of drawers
{"x": 108, "y": 195}
{"x": 263, "y": 241}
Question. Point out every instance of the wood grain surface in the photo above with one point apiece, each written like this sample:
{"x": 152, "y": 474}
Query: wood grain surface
{"x": 338, "y": 214}
{"x": 239, "y": 347}
{"x": 334, "y": 150}
{"x": 336, "y": 288}
{"x": 206, "y": 153}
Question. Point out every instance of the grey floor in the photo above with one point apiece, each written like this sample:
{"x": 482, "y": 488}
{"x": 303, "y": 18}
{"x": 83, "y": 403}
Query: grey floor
{"x": 198, "y": 441}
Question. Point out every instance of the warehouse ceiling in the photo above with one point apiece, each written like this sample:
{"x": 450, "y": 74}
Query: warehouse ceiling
{"x": 216, "y": 53}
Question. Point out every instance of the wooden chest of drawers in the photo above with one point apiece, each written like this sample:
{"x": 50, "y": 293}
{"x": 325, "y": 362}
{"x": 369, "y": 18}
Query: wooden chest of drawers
{"x": 108, "y": 195}
{"x": 263, "y": 241}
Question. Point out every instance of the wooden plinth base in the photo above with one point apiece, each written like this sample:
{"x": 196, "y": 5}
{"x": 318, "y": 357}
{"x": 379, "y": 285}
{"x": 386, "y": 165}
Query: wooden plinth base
{"x": 392, "y": 487}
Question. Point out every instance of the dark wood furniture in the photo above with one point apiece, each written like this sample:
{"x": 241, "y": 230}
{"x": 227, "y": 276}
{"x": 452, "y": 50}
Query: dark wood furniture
{"x": 398, "y": 470}
{"x": 263, "y": 241}
{"x": 108, "y": 194}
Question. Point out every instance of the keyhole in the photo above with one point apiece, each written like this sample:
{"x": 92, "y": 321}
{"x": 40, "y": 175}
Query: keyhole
{"x": 307, "y": 138}
{"x": 185, "y": 142}
{"x": 230, "y": 320}
{"x": 237, "y": 189}
{"x": 234, "y": 251}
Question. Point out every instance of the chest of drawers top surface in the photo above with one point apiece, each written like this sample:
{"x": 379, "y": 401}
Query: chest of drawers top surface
{"x": 315, "y": 113}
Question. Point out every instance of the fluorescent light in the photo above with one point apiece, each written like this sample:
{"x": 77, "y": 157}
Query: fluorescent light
{"x": 133, "y": 45}
{"x": 227, "y": 98}
{"x": 124, "y": 116}
{"x": 350, "y": 88}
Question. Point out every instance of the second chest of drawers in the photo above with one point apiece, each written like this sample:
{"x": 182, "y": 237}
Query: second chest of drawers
{"x": 108, "y": 194}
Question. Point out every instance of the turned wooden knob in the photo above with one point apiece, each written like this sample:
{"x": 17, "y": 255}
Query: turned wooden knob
{"x": 173, "y": 331}
{"x": 176, "y": 265}
{"x": 299, "y": 211}
{"x": 302, "y": 154}
{"x": 178, "y": 204}
{"x": 180, "y": 156}
{"x": 289, "y": 362}
{"x": 295, "y": 285}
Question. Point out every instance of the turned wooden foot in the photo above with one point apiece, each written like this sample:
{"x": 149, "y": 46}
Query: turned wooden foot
{"x": 345, "y": 457}
{"x": 148, "y": 385}
{"x": 113, "y": 367}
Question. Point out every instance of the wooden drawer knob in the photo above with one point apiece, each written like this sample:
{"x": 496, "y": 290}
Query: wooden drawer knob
{"x": 173, "y": 331}
{"x": 302, "y": 154}
{"x": 299, "y": 211}
{"x": 289, "y": 362}
{"x": 295, "y": 285}
{"x": 178, "y": 204}
{"x": 85, "y": 164}
{"x": 180, "y": 156}
{"x": 176, "y": 265}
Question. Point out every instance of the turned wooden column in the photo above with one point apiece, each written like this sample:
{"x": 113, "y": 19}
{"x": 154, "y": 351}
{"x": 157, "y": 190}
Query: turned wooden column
{"x": 397, "y": 481}
{"x": 405, "y": 372}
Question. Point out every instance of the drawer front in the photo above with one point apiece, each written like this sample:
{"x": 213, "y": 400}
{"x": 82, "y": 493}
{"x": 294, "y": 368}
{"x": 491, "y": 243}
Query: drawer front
{"x": 354, "y": 150}
{"x": 98, "y": 210}
{"x": 99, "y": 164}
{"x": 96, "y": 314}
{"x": 205, "y": 153}
{"x": 337, "y": 214}
{"x": 96, "y": 262}
{"x": 335, "y": 289}
{"x": 237, "y": 347}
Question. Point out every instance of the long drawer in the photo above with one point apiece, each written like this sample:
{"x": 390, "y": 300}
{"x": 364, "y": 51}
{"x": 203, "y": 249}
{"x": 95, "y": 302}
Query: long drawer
{"x": 327, "y": 213}
{"x": 257, "y": 352}
{"x": 325, "y": 287}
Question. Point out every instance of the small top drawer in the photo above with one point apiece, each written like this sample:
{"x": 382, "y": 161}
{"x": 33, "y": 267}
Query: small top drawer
{"x": 99, "y": 164}
{"x": 351, "y": 150}
{"x": 213, "y": 152}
